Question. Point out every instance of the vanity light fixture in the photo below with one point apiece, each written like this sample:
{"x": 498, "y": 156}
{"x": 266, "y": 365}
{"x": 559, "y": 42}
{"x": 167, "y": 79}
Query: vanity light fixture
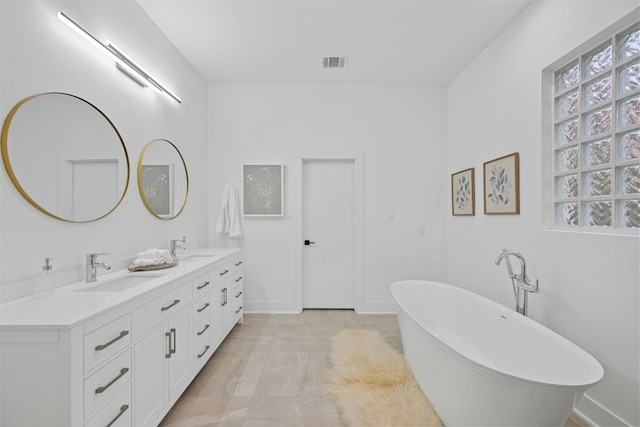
{"x": 123, "y": 62}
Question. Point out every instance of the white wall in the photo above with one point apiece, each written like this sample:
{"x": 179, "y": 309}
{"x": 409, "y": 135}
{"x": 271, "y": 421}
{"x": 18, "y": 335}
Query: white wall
{"x": 399, "y": 131}
{"x": 40, "y": 54}
{"x": 588, "y": 282}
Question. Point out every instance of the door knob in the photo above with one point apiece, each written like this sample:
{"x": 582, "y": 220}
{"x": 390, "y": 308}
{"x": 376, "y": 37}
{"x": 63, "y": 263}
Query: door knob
{"x": 309, "y": 242}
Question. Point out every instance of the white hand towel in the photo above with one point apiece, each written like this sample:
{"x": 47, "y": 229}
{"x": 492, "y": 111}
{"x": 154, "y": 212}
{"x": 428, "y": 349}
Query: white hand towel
{"x": 230, "y": 219}
{"x": 148, "y": 254}
{"x": 235, "y": 217}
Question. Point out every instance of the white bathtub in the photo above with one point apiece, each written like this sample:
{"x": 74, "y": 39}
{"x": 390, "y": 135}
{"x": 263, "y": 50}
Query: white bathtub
{"x": 480, "y": 363}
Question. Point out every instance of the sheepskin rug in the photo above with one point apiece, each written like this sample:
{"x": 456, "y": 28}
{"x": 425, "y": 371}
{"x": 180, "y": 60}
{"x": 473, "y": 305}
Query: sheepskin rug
{"x": 373, "y": 385}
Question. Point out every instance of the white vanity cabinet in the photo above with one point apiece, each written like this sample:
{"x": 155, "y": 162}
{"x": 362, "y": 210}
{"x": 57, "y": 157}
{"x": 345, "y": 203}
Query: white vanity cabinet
{"x": 110, "y": 358}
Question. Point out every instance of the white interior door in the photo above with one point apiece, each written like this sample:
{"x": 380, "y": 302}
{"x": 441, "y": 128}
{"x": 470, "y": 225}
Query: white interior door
{"x": 328, "y": 225}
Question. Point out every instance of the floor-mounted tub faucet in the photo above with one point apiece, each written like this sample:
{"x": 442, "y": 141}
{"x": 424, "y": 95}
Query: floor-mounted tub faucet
{"x": 92, "y": 267}
{"x": 521, "y": 283}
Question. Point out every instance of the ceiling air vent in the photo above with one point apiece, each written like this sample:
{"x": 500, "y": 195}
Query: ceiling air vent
{"x": 334, "y": 62}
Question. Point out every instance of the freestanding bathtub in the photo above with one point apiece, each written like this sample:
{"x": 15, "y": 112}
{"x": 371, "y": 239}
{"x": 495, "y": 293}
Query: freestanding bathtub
{"x": 480, "y": 363}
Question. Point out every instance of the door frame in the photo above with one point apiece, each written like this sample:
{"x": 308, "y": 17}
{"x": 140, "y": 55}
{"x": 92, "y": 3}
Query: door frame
{"x": 358, "y": 224}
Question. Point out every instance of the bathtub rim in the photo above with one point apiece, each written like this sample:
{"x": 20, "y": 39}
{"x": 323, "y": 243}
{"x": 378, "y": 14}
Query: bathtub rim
{"x": 488, "y": 370}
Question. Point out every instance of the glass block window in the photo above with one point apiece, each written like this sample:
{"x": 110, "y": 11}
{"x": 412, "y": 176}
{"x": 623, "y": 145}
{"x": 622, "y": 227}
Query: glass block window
{"x": 596, "y": 138}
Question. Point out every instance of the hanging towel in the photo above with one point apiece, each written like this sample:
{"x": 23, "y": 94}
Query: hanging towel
{"x": 229, "y": 218}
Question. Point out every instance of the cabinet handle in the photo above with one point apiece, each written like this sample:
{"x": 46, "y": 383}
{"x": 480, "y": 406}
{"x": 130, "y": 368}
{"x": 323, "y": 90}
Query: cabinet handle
{"x": 170, "y": 305}
{"x": 238, "y": 294}
{"x": 224, "y": 297}
{"x": 123, "y": 409}
{"x": 239, "y": 310}
{"x": 204, "y": 285}
{"x": 205, "y": 328}
{"x": 203, "y": 308}
{"x": 120, "y": 375}
{"x": 224, "y": 272}
{"x": 238, "y": 263}
{"x": 203, "y": 352}
{"x": 173, "y": 332}
{"x": 168, "y": 335}
{"x": 238, "y": 278}
{"x": 103, "y": 346}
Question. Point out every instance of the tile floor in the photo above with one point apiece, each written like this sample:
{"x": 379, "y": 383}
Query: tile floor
{"x": 272, "y": 371}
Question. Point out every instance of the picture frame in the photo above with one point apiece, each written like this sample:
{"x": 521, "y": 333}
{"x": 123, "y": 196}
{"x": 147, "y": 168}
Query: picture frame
{"x": 262, "y": 190}
{"x": 502, "y": 185}
{"x": 463, "y": 199}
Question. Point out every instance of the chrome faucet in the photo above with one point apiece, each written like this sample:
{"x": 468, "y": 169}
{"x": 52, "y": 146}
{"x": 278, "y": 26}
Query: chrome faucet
{"x": 521, "y": 283}
{"x": 92, "y": 267}
{"x": 174, "y": 245}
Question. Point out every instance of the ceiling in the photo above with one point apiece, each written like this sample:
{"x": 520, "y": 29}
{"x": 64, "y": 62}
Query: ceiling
{"x": 285, "y": 41}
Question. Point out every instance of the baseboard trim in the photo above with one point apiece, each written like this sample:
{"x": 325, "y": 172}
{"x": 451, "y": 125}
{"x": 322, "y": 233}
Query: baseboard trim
{"x": 596, "y": 414}
{"x": 381, "y": 307}
{"x": 275, "y": 307}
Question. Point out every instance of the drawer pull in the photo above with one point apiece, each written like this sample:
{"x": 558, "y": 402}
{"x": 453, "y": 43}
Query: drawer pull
{"x": 123, "y": 409}
{"x": 204, "y": 285}
{"x": 238, "y": 294}
{"x": 238, "y": 263}
{"x": 239, "y": 310}
{"x": 170, "y": 305}
{"x": 205, "y": 328}
{"x": 103, "y": 346}
{"x": 238, "y": 278}
{"x": 202, "y": 354}
{"x": 224, "y": 272}
{"x": 101, "y": 389}
{"x": 200, "y": 310}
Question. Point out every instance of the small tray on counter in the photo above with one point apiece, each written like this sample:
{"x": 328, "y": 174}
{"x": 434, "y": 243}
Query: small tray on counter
{"x": 150, "y": 267}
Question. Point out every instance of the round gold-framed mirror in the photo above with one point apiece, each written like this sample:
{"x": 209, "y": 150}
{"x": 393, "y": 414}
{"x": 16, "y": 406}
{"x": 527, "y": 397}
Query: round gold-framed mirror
{"x": 65, "y": 157}
{"x": 163, "y": 179}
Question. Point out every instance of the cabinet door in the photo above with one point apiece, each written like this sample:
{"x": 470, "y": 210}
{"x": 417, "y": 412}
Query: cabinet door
{"x": 228, "y": 306}
{"x": 217, "y": 321}
{"x": 180, "y": 373}
{"x": 151, "y": 394}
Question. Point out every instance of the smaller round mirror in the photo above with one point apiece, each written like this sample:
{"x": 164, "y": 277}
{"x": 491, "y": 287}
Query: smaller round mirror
{"x": 162, "y": 179}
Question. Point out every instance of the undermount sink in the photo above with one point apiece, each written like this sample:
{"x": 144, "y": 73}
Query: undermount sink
{"x": 121, "y": 284}
{"x": 197, "y": 257}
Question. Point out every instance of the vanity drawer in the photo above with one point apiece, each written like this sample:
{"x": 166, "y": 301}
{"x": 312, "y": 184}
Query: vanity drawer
{"x": 116, "y": 413}
{"x": 238, "y": 294}
{"x": 201, "y": 308}
{"x": 201, "y": 286}
{"x": 106, "y": 382}
{"x": 154, "y": 312}
{"x": 106, "y": 341}
{"x": 202, "y": 339}
{"x": 222, "y": 272}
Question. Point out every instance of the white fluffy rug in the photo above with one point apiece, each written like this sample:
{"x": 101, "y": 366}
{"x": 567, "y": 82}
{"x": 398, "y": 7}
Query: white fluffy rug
{"x": 373, "y": 385}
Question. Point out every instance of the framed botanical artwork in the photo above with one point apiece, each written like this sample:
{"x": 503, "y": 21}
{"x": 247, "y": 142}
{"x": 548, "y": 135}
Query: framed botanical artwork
{"x": 262, "y": 187}
{"x": 502, "y": 185}
{"x": 463, "y": 198}
{"x": 158, "y": 188}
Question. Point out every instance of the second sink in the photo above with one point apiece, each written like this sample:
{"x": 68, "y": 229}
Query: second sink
{"x": 121, "y": 284}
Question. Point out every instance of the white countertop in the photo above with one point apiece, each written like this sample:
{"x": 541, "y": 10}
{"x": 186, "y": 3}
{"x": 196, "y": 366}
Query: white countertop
{"x": 73, "y": 304}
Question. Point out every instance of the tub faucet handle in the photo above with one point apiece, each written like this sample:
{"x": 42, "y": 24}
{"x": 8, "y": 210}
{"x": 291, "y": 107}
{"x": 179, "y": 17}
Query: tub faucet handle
{"x": 528, "y": 286}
